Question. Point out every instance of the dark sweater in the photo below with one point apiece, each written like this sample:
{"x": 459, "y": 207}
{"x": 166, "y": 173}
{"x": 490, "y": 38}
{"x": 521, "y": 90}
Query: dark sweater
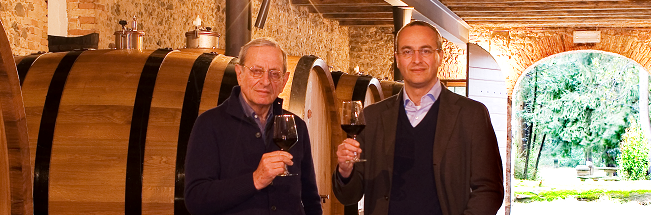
{"x": 225, "y": 149}
{"x": 413, "y": 190}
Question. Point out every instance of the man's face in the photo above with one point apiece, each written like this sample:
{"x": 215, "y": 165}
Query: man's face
{"x": 260, "y": 92}
{"x": 419, "y": 70}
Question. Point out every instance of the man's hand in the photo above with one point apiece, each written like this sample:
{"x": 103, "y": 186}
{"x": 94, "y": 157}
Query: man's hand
{"x": 271, "y": 165}
{"x": 345, "y": 155}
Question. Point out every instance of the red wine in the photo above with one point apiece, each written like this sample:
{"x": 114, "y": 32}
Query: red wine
{"x": 353, "y": 130}
{"x": 285, "y": 143}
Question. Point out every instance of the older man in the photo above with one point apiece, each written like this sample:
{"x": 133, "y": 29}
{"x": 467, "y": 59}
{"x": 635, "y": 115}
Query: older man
{"x": 429, "y": 150}
{"x": 232, "y": 164}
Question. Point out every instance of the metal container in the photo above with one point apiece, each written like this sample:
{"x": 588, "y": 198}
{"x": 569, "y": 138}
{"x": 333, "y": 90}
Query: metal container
{"x": 202, "y": 38}
{"x": 129, "y": 38}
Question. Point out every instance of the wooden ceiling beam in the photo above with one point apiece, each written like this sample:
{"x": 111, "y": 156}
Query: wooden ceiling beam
{"x": 364, "y": 20}
{"x": 352, "y": 12}
{"x": 557, "y": 19}
{"x": 351, "y": 9}
{"x": 553, "y": 14}
{"x": 330, "y": 2}
{"x": 346, "y": 5}
{"x": 534, "y": 13}
{"x": 382, "y": 15}
{"x": 547, "y": 9}
{"x": 365, "y": 23}
{"x": 455, "y": 5}
{"x": 567, "y": 23}
{"x": 537, "y": 1}
{"x": 561, "y": 24}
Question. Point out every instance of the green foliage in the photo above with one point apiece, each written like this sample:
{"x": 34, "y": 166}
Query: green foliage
{"x": 634, "y": 159}
{"x": 519, "y": 166}
{"x": 588, "y": 195}
{"x": 582, "y": 101}
{"x": 576, "y": 157}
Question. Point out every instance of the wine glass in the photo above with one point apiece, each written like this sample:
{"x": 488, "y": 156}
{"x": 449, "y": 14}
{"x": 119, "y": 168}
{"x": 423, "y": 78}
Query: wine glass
{"x": 285, "y": 135}
{"x": 352, "y": 121}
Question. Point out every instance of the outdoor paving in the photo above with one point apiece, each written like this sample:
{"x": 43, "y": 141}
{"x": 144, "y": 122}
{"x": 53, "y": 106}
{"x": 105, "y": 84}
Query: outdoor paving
{"x": 571, "y": 206}
{"x": 565, "y": 179}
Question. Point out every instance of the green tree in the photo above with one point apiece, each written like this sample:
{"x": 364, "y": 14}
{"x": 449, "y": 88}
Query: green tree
{"x": 633, "y": 161}
{"x": 579, "y": 101}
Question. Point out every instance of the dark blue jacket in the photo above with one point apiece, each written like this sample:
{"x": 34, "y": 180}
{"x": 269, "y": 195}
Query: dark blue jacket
{"x": 225, "y": 149}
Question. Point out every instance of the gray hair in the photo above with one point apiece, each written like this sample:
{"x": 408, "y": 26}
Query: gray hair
{"x": 439, "y": 39}
{"x": 265, "y": 41}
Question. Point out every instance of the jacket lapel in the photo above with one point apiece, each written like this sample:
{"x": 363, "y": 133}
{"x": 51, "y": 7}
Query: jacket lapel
{"x": 448, "y": 112}
{"x": 389, "y": 125}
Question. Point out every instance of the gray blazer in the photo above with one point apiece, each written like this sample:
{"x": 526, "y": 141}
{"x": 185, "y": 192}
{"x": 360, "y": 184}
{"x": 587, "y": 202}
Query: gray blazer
{"x": 466, "y": 160}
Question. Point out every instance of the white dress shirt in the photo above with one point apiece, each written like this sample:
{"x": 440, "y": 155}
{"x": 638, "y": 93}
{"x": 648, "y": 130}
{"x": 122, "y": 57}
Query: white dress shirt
{"x": 417, "y": 113}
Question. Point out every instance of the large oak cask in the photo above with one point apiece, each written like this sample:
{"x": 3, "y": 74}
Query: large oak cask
{"x": 310, "y": 94}
{"x": 108, "y": 129}
{"x": 357, "y": 88}
{"x": 15, "y": 169}
{"x": 391, "y": 88}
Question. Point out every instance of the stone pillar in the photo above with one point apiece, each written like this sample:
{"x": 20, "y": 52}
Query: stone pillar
{"x": 238, "y": 25}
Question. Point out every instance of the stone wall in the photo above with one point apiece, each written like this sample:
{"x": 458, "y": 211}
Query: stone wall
{"x": 517, "y": 49}
{"x": 303, "y": 33}
{"x": 25, "y": 24}
{"x": 454, "y": 64}
{"x": 164, "y": 21}
{"x": 371, "y": 49}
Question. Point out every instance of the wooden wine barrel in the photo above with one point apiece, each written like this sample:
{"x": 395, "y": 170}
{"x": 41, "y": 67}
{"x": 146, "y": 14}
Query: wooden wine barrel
{"x": 15, "y": 174}
{"x": 311, "y": 95}
{"x": 109, "y": 128}
{"x": 391, "y": 88}
{"x": 357, "y": 88}
{"x": 203, "y": 50}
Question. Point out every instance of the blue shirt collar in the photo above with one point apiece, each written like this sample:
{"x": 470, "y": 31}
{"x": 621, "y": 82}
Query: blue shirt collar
{"x": 249, "y": 112}
{"x": 433, "y": 94}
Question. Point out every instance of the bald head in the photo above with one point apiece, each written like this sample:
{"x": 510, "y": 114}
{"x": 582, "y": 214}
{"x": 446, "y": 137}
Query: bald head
{"x": 437, "y": 37}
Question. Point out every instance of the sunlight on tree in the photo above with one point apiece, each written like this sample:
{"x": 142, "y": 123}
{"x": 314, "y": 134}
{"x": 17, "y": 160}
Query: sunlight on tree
{"x": 576, "y": 102}
{"x": 633, "y": 160}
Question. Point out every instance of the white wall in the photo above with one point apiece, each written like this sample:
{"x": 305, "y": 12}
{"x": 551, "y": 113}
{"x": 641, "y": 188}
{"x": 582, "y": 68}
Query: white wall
{"x": 57, "y": 18}
{"x": 486, "y": 84}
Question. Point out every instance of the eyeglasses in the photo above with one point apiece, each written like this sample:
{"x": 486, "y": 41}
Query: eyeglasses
{"x": 425, "y": 52}
{"x": 274, "y": 74}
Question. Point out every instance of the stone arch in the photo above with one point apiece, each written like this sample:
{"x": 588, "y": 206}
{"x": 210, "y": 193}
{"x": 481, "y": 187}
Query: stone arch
{"x": 518, "y": 49}
{"x": 511, "y": 106}
{"x": 528, "y": 69}
{"x": 513, "y": 90}
{"x": 514, "y": 135}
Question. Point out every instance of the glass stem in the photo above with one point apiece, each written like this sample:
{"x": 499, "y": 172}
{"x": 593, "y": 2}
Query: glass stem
{"x": 355, "y": 153}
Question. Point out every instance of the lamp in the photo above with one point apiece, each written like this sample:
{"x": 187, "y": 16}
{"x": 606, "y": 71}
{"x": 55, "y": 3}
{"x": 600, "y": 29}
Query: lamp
{"x": 586, "y": 36}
